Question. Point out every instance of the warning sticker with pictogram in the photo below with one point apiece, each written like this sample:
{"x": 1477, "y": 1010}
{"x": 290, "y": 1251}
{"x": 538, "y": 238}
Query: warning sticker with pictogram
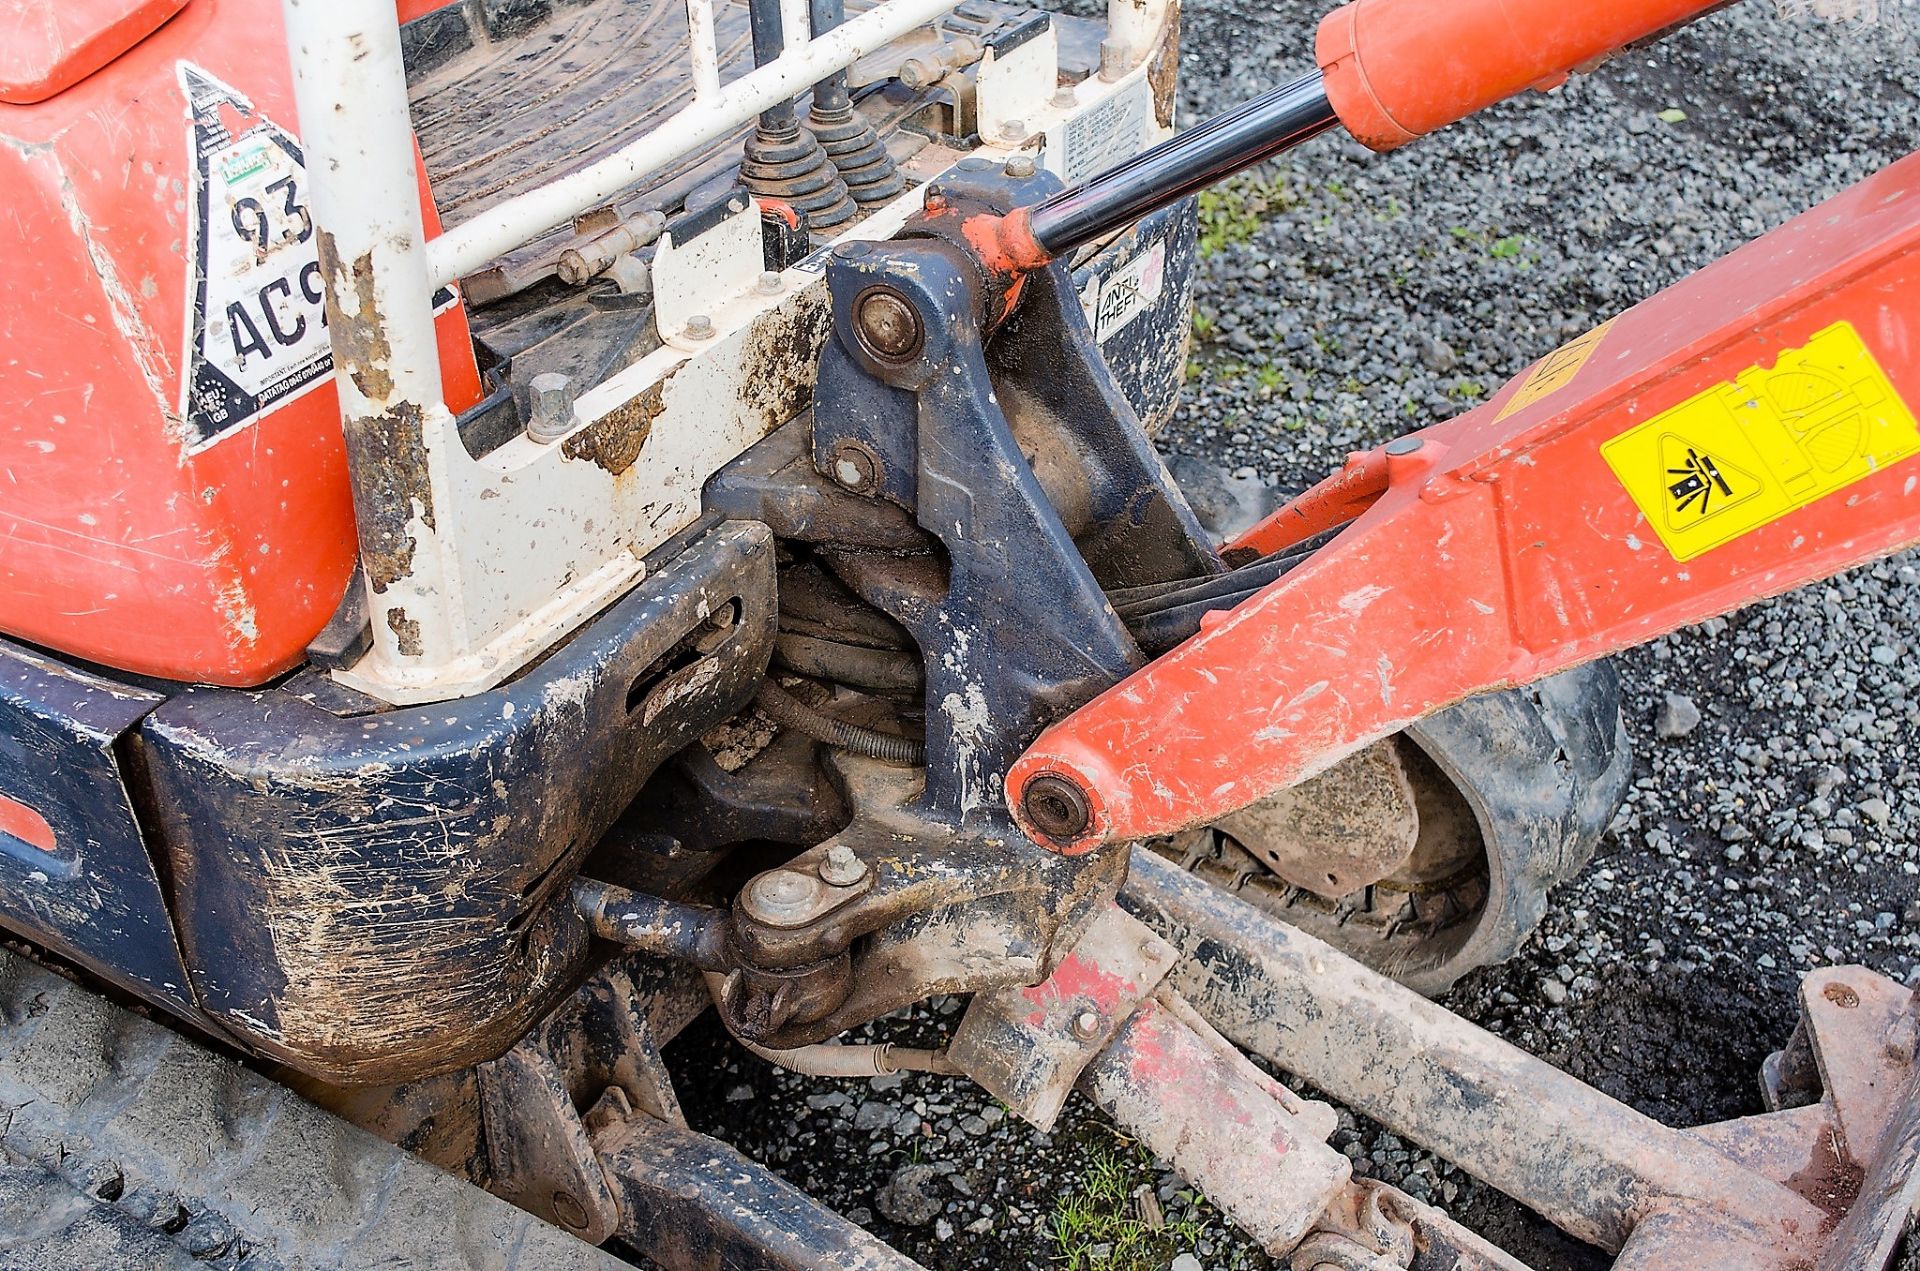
{"x": 1746, "y": 453}
{"x": 1556, "y": 370}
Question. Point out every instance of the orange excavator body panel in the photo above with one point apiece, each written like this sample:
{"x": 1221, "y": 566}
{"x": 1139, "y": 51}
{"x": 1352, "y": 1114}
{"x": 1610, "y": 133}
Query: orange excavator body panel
{"x": 174, "y": 498}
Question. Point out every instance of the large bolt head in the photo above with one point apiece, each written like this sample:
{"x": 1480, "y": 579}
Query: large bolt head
{"x": 550, "y": 402}
{"x": 1057, "y": 807}
{"x": 783, "y": 895}
{"x": 854, "y": 467}
{"x": 842, "y": 868}
{"x": 886, "y": 324}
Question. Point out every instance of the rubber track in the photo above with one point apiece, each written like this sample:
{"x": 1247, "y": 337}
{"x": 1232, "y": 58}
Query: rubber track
{"x": 128, "y": 1145}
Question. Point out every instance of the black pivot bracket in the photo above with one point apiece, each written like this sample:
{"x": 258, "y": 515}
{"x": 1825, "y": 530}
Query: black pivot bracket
{"x": 950, "y": 386}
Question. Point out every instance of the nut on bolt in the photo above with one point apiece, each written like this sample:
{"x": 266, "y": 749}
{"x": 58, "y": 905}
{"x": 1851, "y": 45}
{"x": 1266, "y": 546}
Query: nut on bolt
{"x": 699, "y": 327}
{"x": 1057, "y": 807}
{"x": 887, "y": 324}
{"x": 550, "y": 407}
{"x": 841, "y": 868}
{"x": 1086, "y": 1025}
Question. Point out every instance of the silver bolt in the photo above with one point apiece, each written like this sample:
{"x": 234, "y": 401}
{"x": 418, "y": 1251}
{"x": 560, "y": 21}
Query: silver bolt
{"x": 550, "y": 399}
{"x": 770, "y": 283}
{"x": 784, "y": 895}
{"x": 1014, "y": 130}
{"x": 1404, "y": 445}
{"x": 1065, "y": 99}
{"x": 699, "y": 327}
{"x": 841, "y": 867}
{"x": 1019, "y": 166}
{"x": 1086, "y": 1026}
{"x": 1115, "y": 60}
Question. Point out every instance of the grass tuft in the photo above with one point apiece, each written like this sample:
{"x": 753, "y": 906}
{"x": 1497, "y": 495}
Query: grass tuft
{"x": 1097, "y": 1225}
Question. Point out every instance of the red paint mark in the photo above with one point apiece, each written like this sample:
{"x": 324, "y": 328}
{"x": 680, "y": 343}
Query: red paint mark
{"x": 1004, "y": 244}
{"x": 1078, "y": 980}
{"x": 22, "y": 822}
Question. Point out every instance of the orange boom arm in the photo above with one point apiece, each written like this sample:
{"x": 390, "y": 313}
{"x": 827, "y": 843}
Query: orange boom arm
{"x": 1743, "y": 433}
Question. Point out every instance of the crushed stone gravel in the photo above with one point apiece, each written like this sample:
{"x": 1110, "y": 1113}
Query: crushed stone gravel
{"x": 1774, "y": 823}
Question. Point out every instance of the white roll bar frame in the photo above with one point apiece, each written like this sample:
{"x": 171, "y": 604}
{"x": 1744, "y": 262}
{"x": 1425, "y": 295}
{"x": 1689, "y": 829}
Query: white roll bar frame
{"x": 474, "y": 566}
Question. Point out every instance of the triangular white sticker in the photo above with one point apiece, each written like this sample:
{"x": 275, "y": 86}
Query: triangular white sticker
{"x": 257, "y": 335}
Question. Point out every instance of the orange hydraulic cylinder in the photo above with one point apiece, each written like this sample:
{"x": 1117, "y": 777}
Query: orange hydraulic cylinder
{"x": 1399, "y": 69}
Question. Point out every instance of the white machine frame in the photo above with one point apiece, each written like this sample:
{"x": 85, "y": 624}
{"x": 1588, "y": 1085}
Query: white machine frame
{"x": 511, "y": 551}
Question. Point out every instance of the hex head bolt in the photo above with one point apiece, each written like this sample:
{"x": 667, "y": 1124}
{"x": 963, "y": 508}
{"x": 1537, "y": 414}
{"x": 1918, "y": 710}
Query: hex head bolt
{"x": 550, "y": 402}
{"x": 842, "y": 868}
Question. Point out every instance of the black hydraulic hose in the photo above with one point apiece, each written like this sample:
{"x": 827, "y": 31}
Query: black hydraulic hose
{"x": 1162, "y": 615}
{"x": 1129, "y": 601}
{"x": 788, "y": 711}
{"x": 1226, "y": 144}
{"x": 876, "y": 670}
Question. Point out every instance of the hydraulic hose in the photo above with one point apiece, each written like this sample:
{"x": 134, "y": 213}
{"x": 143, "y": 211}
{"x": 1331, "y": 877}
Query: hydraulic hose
{"x": 691, "y": 933}
{"x": 788, "y": 711}
{"x": 827, "y": 1059}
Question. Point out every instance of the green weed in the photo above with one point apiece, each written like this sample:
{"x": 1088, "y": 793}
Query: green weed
{"x": 1233, "y": 211}
{"x": 1096, "y": 1226}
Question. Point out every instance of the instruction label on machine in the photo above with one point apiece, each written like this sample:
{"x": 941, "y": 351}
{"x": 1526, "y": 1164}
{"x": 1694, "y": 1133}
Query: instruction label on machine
{"x": 257, "y": 318}
{"x": 1103, "y": 135}
{"x": 1746, "y": 453}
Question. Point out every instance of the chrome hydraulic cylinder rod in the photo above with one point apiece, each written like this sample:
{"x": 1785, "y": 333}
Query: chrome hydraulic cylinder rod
{"x": 1248, "y": 134}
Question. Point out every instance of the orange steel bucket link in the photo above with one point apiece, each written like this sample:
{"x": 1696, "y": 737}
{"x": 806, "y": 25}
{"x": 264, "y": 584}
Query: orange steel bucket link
{"x": 1747, "y": 431}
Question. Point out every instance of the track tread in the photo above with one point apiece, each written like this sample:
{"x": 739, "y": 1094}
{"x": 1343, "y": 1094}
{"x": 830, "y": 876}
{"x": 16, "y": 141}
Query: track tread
{"x": 163, "y": 1135}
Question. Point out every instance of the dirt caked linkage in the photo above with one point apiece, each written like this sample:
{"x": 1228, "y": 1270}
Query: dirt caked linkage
{"x": 538, "y": 520}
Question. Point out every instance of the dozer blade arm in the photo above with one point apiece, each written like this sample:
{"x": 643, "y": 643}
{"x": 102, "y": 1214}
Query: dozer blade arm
{"x": 1743, "y": 433}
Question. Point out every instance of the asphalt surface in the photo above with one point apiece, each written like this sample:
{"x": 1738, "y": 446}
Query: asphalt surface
{"x": 1775, "y": 821}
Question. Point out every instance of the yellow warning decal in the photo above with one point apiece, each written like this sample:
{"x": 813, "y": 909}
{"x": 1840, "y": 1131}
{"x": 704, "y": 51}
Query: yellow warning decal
{"x": 1745, "y": 453}
{"x": 1556, "y": 370}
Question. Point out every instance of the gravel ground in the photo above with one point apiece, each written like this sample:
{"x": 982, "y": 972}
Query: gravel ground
{"x": 1775, "y": 822}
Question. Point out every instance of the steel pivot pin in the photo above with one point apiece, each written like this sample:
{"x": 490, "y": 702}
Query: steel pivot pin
{"x": 887, "y": 324}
